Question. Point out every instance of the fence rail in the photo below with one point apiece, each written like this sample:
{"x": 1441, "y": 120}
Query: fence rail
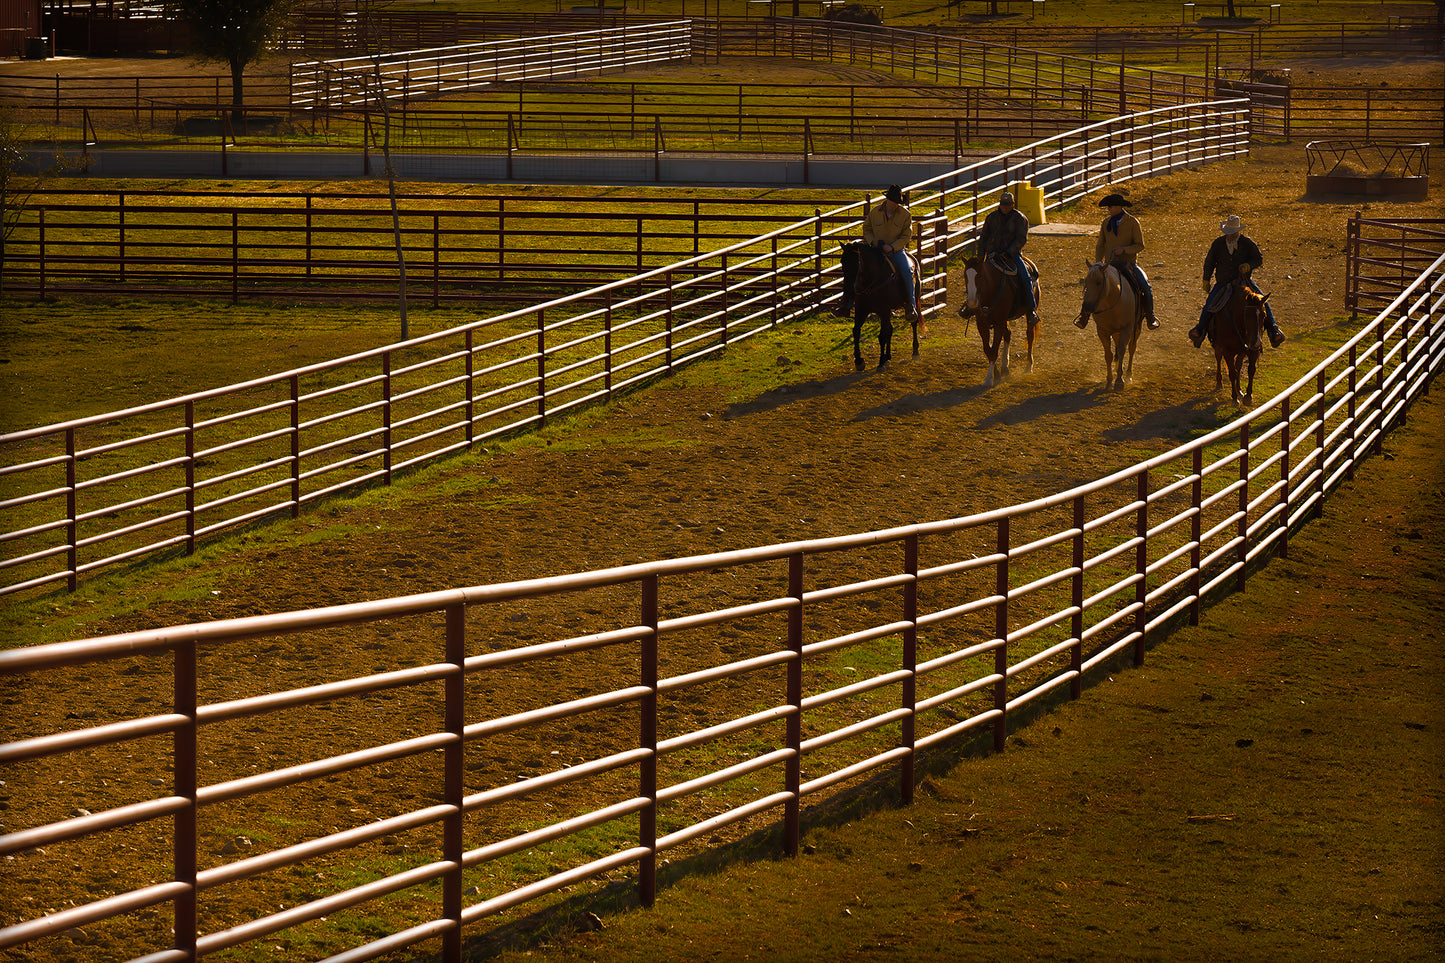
{"x": 981, "y": 616}
{"x": 97, "y": 492}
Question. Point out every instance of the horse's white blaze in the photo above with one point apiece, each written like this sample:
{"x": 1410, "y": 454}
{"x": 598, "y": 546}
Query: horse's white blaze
{"x": 971, "y": 275}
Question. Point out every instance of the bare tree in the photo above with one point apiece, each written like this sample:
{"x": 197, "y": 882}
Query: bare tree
{"x": 234, "y": 32}
{"x": 377, "y": 97}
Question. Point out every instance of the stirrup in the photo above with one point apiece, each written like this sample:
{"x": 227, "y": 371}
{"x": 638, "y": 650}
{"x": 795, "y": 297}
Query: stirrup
{"x": 1081, "y": 322}
{"x": 1276, "y": 338}
{"x": 1196, "y": 337}
{"x": 1152, "y": 322}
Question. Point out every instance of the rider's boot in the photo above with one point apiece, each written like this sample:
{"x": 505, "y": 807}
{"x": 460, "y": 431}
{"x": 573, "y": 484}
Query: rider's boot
{"x": 1149, "y": 318}
{"x": 1082, "y": 321}
{"x": 1196, "y": 335}
{"x": 1276, "y": 336}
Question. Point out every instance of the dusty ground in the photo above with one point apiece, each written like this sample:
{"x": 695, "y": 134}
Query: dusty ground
{"x": 840, "y": 452}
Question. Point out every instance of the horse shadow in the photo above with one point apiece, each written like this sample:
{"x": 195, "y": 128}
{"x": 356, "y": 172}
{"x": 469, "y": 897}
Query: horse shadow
{"x": 793, "y": 393}
{"x": 913, "y": 404}
{"x": 1060, "y": 403}
{"x": 1179, "y": 422}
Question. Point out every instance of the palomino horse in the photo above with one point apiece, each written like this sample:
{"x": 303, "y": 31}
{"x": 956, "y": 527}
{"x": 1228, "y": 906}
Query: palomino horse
{"x": 872, "y": 287}
{"x": 1235, "y": 330}
{"x": 993, "y": 304}
{"x": 1117, "y": 319}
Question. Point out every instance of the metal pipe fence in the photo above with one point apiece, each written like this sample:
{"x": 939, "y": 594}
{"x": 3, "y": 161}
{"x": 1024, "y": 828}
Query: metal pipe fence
{"x": 492, "y": 248}
{"x": 102, "y": 491}
{"x": 842, "y": 659}
{"x": 1383, "y": 255}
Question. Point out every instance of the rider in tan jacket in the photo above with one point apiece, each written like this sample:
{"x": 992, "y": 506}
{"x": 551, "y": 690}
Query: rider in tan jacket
{"x": 889, "y": 227}
{"x": 1119, "y": 243}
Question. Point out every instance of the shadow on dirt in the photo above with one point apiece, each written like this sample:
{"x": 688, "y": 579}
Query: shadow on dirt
{"x": 913, "y": 404}
{"x": 791, "y": 394}
{"x": 1060, "y": 403}
{"x": 1177, "y": 423}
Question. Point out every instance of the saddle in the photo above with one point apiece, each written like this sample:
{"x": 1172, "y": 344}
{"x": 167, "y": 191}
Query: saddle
{"x": 1219, "y": 299}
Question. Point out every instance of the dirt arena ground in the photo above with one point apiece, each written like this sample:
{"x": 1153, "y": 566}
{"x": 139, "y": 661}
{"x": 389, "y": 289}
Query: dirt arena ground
{"x": 842, "y": 452}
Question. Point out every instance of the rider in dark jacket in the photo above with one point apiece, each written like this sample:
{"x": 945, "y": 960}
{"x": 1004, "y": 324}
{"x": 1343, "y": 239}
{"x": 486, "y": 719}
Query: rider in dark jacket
{"x": 1230, "y": 252}
{"x": 1005, "y": 232}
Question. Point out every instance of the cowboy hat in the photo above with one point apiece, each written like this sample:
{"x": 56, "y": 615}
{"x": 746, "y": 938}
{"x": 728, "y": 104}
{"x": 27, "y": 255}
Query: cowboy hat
{"x": 894, "y": 193}
{"x": 1006, "y": 199}
{"x": 1115, "y": 200}
{"x": 1231, "y": 225}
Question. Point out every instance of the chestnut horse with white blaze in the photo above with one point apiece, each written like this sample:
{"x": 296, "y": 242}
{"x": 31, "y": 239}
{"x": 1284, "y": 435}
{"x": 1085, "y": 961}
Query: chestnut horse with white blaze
{"x": 993, "y": 303}
{"x": 1118, "y": 316}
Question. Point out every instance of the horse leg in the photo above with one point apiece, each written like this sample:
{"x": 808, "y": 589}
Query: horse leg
{"x": 885, "y": 340}
{"x": 1233, "y": 361}
{"x": 1133, "y": 343}
{"x": 857, "y": 332}
{"x": 915, "y": 339}
{"x": 1108, "y": 340}
{"x": 1006, "y": 347}
{"x": 1249, "y": 391}
{"x": 1033, "y": 331}
{"x": 990, "y": 347}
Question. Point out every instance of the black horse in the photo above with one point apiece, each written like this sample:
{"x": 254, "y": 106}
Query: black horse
{"x": 872, "y": 287}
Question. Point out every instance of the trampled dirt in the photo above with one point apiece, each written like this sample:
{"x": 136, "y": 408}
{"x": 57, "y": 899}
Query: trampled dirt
{"x": 839, "y": 452}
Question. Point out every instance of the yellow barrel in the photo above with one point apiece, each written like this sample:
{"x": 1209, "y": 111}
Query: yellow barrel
{"x": 1030, "y": 200}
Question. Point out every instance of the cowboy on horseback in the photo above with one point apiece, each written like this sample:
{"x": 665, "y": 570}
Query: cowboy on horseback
{"x": 888, "y": 228}
{"x": 1005, "y": 232}
{"x": 1233, "y": 255}
{"x": 1120, "y": 241}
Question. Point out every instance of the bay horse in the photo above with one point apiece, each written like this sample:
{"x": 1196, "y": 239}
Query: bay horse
{"x": 1118, "y": 317}
{"x": 872, "y": 287}
{"x": 1236, "y": 328}
{"x": 993, "y": 304}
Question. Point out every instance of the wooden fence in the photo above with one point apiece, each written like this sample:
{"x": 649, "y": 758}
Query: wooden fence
{"x": 948, "y": 629}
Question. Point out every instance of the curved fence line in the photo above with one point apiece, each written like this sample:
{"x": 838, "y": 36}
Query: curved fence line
{"x": 844, "y": 657}
{"x": 95, "y": 492}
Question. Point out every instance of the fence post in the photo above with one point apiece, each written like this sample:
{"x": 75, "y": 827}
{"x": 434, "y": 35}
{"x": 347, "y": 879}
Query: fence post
{"x": 72, "y": 554}
{"x": 1000, "y": 630}
{"x": 183, "y": 761}
{"x": 607, "y": 344}
{"x": 1243, "y": 528}
{"x": 1196, "y": 497}
{"x": 723, "y": 320}
{"x": 436, "y": 260}
{"x": 386, "y": 415}
{"x": 40, "y": 237}
{"x": 235, "y": 256}
{"x": 1284, "y": 479}
{"x": 669, "y": 321}
{"x": 120, "y": 230}
{"x": 647, "y": 739}
{"x": 1350, "y": 416}
{"x": 471, "y": 386}
{"x": 542, "y": 365}
{"x": 454, "y": 785}
{"x": 1352, "y": 265}
{"x": 1141, "y": 567}
{"x": 295, "y": 446}
{"x": 1377, "y": 446}
{"x": 818, "y": 253}
{"x": 773, "y": 317}
{"x": 910, "y": 665}
{"x": 190, "y": 477}
{"x": 792, "y": 769}
{"x": 1076, "y": 625}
